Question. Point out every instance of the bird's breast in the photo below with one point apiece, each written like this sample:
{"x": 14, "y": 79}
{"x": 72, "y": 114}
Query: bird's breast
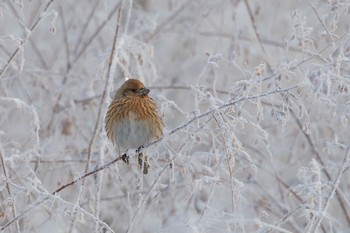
{"x": 131, "y": 124}
{"x": 131, "y": 133}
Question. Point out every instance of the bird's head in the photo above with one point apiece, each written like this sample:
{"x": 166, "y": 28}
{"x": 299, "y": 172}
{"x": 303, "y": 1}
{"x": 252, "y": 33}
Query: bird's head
{"x": 132, "y": 87}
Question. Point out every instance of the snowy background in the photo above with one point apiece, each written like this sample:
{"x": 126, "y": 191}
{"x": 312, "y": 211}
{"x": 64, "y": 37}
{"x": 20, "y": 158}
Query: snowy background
{"x": 254, "y": 95}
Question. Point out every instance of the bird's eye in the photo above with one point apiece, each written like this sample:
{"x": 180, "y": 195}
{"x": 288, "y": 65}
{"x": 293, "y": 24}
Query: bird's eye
{"x": 133, "y": 90}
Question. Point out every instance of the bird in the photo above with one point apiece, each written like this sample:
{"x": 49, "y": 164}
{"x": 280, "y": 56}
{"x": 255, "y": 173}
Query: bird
{"x": 132, "y": 120}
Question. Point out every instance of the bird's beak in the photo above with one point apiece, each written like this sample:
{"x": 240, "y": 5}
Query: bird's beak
{"x": 144, "y": 91}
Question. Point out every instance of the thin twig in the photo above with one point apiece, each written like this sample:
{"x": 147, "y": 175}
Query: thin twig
{"x": 102, "y": 101}
{"x": 222, "y": 107}
{"x": 110, "y": 74}
{"x": 14, "y": 54}
{"x": 128, "y": 16}
{"x": 95, "y": 34}
{"x": 207, "y": 204}
{"x": 61, "y": 161}
{"x": 265, "y": 41}
{"x": 168, "y": 20}
{"x": 24, "y": 212}
{"x": 285, "y": 218}
{"x": 31, "y": 207}
{"x": 321, "y": 22}
{"x": 4, "y": 168}
{"x": 65, "y": 38}
{"x": 252, "y": 20}
{"x": 106, "y": 165}
{"x": 229, "y": 158}
{"x": 305, "y": 60}
{"x": 86, "y": 25}
{"x": 39, "y": 54}
{"x": 145, "y": 198}
{"x": 319, "y": 158}
{"x": 147, "y": 195}
{"x": 335, "y": 184}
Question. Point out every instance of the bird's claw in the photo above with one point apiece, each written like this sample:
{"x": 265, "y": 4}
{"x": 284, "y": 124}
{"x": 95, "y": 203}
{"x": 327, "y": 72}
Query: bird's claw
{"x": 125, "y": 158}
{"x": 139, "y": 149}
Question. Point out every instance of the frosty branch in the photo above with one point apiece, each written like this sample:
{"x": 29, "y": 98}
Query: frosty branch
{"x": 43, "y": 14}
{"x": 334, "y": 186}
{"x": 184, "y": 125}
{"x": 106, "y": 165}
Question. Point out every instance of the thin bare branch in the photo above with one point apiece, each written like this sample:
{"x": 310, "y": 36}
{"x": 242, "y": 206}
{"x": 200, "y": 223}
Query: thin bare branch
{"x": 86, "y": 25}
{"x": 95, "y": 34}
{"x": 322, "y": 213}
{"x": 4, "y": 169}
{"x": 252, "y": 20}
{"x": 321, "y": 22}
{"x": 196, "y": 118}
{"x": 101, "y": 105}
{"x": 320, "y": 160}
{"x": 28, "y": 35}
{"x": 162, "y": 25}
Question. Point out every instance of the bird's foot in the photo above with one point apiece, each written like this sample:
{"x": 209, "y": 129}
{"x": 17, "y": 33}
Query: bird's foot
{"x": 125, "y": 158}
{"x": 139, "y": 149}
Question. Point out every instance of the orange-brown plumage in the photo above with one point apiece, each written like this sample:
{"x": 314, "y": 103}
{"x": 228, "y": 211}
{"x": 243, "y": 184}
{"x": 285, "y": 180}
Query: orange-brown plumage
{"x": 132, "y": 119}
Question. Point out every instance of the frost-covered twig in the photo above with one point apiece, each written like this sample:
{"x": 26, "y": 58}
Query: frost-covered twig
{"x": 13, "y": 206}
{"x": 87, "y": 23}
{"x": 147, "y": 195}
{"x": 28, "y": 34}
{"x": 230, "y": 163}
{"x": 44, "y": 199}
{"x": 223, "y": 106}
{"x": 106, "y": 165}
{"x": 103, "y": 105}
{"x": 128, "y": 15}
{"x": 312, "y": 56}
{"x": 320, "y": 160}
{"x": 168, "y": 20}
{"x": 273, "y": 227}
{"x": 110, "y": 74}
{"x": 321, "y": 22}
{"x": 334, "y": 186}
{"x": 252, "y": 19}
{"x": 106, "y": 227}
{"x": 145, "y": 198}
{"x": 65, "y": 39}
{"x": 207, "y": 204}
{"x": 94, "y": 35}
{"x": 24, "y": 212}
{"x": 285, "y": 218}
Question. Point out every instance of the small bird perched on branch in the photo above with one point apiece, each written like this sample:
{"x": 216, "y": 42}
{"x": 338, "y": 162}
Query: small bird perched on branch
{"x": 132, "y": 119}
